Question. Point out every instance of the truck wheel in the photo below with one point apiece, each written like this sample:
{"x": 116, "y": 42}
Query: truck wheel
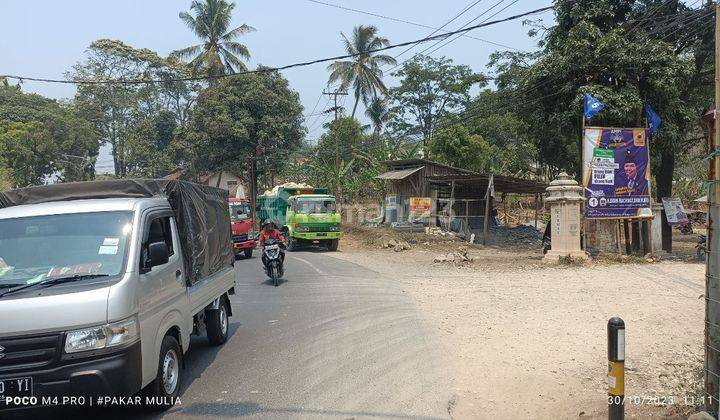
{"x": 292, "y": 244}
{"x": 248, "y": 253}
{"x": 166, "y": 386}
{"x": 216, "y": 321}
{"x": 332, "y": 244}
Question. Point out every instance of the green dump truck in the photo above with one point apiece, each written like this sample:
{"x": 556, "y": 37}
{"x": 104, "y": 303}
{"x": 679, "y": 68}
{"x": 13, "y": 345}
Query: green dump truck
{"x": 305, "y": 215}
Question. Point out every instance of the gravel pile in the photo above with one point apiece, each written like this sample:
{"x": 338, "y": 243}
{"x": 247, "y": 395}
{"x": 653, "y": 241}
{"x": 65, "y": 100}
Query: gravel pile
{"x": 518, "y": 235}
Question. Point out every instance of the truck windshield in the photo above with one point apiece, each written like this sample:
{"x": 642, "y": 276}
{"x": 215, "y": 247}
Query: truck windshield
{"x": 239, "y": 211}
{"x": 33, "y": 249}
{"x": 314, "y": 206}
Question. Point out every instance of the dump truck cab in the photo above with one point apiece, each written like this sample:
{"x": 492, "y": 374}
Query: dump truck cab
{"x": 306, "y": 216}
{"x": 241, "y": 220}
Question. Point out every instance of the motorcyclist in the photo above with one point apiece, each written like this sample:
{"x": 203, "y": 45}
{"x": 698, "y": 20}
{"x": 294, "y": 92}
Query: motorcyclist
{"x": 270, "y": 231}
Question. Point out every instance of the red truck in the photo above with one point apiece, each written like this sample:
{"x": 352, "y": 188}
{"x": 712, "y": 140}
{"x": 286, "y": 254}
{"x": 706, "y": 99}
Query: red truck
{"x": 241, "y": 219}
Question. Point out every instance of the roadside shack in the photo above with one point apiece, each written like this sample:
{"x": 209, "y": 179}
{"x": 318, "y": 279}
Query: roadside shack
{"x": 435, "y": 194}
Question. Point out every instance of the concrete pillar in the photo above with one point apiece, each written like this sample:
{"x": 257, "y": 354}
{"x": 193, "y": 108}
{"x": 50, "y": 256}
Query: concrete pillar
{"x": 656, "y": 229}
{"x": 564, "y": 199}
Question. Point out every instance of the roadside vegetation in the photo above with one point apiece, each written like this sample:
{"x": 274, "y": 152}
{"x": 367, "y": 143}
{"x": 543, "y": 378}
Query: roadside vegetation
{"x": 520, "y": 117}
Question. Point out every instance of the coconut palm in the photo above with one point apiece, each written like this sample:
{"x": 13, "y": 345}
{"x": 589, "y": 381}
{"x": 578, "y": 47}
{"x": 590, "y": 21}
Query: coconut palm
{"x": 218, "y": 53}
{"x": 363, "y": 70}
{"x": 379, "y": 114}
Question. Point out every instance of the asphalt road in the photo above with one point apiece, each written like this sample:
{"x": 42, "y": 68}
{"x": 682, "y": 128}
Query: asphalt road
{"x": 334, "y": 340}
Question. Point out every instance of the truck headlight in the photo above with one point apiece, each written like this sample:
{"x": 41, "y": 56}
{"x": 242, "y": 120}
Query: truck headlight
{"x": 335, "y": 228}
{"x": 104, "y": 336}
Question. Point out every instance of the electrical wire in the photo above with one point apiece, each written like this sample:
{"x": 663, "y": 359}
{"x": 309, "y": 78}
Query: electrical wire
{"x": 490, "y": 17}
{"x": 649, "y": 15}
{"x": 405, "y": 21}
{"x": 285, "y": 67}
{"x": 442, "y": 39}
{"x": 441, "y": 28}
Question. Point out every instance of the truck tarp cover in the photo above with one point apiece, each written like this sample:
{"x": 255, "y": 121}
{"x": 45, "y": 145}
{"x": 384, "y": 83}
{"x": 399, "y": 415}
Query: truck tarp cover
{"x": 201, "y": 212}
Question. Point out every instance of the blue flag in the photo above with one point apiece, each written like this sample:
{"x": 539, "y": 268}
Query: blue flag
{"x": 592, "y": 106}
{"x": 653, "y": 119}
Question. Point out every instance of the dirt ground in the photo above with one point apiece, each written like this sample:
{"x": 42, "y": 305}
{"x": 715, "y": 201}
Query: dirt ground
{"x": 528, "y": 340}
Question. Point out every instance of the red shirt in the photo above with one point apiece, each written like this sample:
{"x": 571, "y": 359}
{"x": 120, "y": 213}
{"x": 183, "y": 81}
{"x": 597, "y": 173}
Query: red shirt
{"x": 275, "y": 234}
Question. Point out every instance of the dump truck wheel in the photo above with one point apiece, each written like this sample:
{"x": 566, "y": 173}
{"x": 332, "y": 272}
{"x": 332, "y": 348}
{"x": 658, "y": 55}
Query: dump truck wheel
{"x": 332, "y": 244}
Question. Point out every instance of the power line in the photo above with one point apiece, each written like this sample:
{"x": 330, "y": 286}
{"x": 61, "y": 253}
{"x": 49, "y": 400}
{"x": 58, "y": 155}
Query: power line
{"x": 285, "y": 67}
{"x": 492, "y": 16}
{"x": 405, "y": 21}
{"x": 442, "y": 39}
{"x": 649, "y": 15}
{"x": 441, "y": 28}
{"x": 315, "y": 107}
{"x": 553, "y": 78}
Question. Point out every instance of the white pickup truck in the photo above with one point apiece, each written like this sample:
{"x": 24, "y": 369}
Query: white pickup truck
{"x": 95, "y": 294}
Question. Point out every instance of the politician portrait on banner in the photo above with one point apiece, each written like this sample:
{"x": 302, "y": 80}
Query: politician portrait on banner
{"x": 616, "y": 173}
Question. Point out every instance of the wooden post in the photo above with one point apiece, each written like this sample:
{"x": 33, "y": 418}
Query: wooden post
{"x": 487, "y": 215}
{"x": 646, "y": 237}
{"x": 451, "y": 213}
{"x": 635, "y": 229}
{"x": 506, "y": 222}
{"x": 626, "y": 228}
{"x": 537, "y": 209}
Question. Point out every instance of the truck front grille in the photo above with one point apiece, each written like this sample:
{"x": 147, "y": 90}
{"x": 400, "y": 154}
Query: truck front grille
{"x": 240, "y": 238}
{"x": 28, "y": 351}
{"x": 319, "y": 227}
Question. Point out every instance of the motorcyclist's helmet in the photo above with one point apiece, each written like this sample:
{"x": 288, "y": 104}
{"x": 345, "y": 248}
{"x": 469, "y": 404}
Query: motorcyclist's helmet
{"x": 267, "y": 222}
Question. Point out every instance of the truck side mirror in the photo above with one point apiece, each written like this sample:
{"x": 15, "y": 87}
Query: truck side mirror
{"x": 158, "y": 254}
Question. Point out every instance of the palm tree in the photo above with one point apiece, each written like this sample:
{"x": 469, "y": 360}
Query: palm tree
{"x": 379, "y": 114}
{"x": 218, "y": 53}
{"x": 363, "y": 71}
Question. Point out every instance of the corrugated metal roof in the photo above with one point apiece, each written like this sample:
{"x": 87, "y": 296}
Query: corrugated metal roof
{"x": 401, "y": 174}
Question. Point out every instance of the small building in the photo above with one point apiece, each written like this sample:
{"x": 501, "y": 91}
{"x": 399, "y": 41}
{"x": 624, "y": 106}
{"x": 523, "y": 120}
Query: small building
{"x": 234, "y": 184}
{"x": 456, "y": 195}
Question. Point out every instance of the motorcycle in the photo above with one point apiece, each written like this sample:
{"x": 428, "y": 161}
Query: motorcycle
{"x": 273, "y": 259}
{"x": 684, "y": 227}
{"x": 702, "y": 248}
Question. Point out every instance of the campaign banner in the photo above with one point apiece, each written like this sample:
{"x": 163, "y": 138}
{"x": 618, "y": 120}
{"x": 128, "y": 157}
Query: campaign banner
{"x": 616, "y": 173}
{"x": 420, "y": 207}
{"x": 675, "y": 211}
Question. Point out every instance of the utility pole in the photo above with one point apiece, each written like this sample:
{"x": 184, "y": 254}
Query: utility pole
{"x": 338, "y": 187}
{"x": 335, "y": 98}
{"x": 712, "y": 278}
{"x": 253, "y": 192}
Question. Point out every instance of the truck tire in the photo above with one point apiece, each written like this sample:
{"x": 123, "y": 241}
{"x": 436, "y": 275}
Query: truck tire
{"x": 217, "y": 323}
{"x": 248, "y": 253}
{"x": 332, "y": 244}
{"x": 292, "y": 244}
{"x": 166, "y": 386}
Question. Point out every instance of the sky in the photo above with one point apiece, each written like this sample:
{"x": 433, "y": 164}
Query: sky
{"x": 45, "y": 38}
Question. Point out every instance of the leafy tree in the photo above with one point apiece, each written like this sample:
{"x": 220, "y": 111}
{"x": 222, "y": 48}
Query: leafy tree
{"x": 363, "y": 72}
{"x": 429, "y": 90}
{"x": 5, "y": 182}
{"x": 515, "y": 153}
{"x": 40, "y": 137}
{"x": 241, "y": 119}
{"x": 455, "y": 146}
{"x": 337, "y": 147}
{"x": 115, "y": 108}
{"x": 218, "y": 53}
{"x": 29, "y": 146}
{"x": 147, "y": 147}
{"x": 610, "y": 49}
